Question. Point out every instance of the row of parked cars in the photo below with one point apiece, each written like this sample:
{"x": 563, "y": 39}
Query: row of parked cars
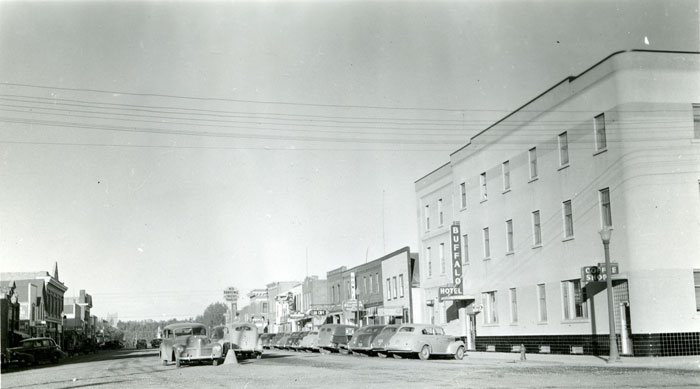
{"x": 397, "y": 340}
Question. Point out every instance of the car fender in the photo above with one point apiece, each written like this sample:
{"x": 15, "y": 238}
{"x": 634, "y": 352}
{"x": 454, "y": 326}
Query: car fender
{"x": 453, "y": 346}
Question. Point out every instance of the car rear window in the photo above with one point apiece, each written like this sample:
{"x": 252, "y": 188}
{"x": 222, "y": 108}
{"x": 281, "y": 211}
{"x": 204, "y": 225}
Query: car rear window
{"x": 389, "y": 330}
{"x": 406, "y": 329}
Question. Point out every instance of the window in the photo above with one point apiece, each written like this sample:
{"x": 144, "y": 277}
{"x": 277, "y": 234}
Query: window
{"x": 601, "y": 142}
{"x": 605, "y": 211}
{"x": 568, "y": 220}
{"x": 376, "y": 277}
{"x": 513, "y": 306}
{"x": 541, "y": 303}
{"x": 536, "y": 229}
{"x": 400, "y": 285}
{"x": 264, "y": 307}
{"x": 509, "y": 236}
{"x": 696, "y": 279}
{"x": 696, "y": 120}
{"x": 388, "y": 288}
{"x": 532, "y": 157}
{"x": 396, "y": 295}
{"x": 505, "y": 168}
{"x": 465, "y": 247}
{"x": 442, "y": 258}
{"x": 482, "y": 183}
{"x": 563, "y": 150}
{"x": 364, "y": 281}
{"x": 487, "y": 244}
{"x": 490, "y": 313}
{"x": 463, "y": 194}
{"x": 427, "y": 217}
{"x": 441, "y": 218}
{"x": 574, "y": 305}
{"x": 430, "y": 262}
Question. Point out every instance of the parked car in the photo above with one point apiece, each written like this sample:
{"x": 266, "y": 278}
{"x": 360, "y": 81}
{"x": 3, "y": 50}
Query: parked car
{"x": 382, "y": 339}
{"x": 141, "y": 343}
{"x": 361, "y": 342}
{"x": 424, "y": 340}
{"x": 282, "y": 341}
{"x": 309, "y": 342}
{"x": 275, "y": 339}
{"x": 334, "y": 337}
{"x": 35, "y": 350}
{"x": 155, "y": 343}
{"x": 188, "y": 342}
{"x": 265, "y": 339}
{"x": 295, "y": 339}
{"x": 242, "y": 338}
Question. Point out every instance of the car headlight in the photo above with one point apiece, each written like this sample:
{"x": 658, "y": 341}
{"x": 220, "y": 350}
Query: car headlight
{"x": 216, "y": 348}
{"x": 180, "y": 349}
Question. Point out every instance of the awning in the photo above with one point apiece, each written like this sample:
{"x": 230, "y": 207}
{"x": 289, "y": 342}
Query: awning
{"x": 459, "y": 297}
{"x": 22, "y": 334}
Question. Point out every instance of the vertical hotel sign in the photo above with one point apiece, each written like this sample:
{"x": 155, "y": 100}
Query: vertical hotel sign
{"x": 456, "y": 244}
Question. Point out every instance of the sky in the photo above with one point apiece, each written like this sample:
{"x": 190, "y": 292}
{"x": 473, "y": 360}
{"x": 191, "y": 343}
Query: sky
{"x": 163, "y": 151}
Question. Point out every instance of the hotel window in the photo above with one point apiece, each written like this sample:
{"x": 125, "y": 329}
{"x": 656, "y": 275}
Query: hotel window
{"x": 601, "y": 142}
{"x": 696, "y": 120}
{"x": 376, "y": 277}
{"x": 400, "y": 285}
{"x": 605, "y": 211}
{"x": 463, "y": 194}
{"x": 509, "y": 236}
{"x": 482, "y": 184}
{"x": 490, "y": 309}
{"x": 541, "y": 303}
{"x": 487, "y": 244}
{"x": 532, "y": 158}
{"x": 574, "y": 304}
{"x": 388, "y": 288}
{"x": 568, "y": 219}
{"x": 465, "y": 248}
{"x": 442, "y": 258}
{"x": 563, "y": 150}
{"x": 371, "y": 281}
{"x": 441, "y": 218}
{"x": 427, "y": 217}
{"x": 536, "y": 229}
{"x": 505, "y": 168}
{"x": 513, "y": 306}
{"x": 696, "y": 279}
{"x": 396, "y": 294}
{"x": 429, "y": 261}
{"x": 364, "y": 280}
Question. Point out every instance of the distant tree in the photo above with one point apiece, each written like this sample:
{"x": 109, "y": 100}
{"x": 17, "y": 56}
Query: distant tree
{"x": 214, "y": 315}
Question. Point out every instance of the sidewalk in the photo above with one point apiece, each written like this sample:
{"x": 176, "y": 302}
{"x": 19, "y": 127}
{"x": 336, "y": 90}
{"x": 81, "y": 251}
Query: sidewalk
{"x": 691, "y": 362}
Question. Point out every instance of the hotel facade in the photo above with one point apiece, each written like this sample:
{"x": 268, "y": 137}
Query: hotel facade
{"x": 617, "y": 146}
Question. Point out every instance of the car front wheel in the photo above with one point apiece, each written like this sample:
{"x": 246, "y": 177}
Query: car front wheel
{"x": 424, "y": 353}
{"x": 459, "y": 354}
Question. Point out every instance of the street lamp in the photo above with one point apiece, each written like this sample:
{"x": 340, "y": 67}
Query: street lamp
{"x": 605, "y": 237}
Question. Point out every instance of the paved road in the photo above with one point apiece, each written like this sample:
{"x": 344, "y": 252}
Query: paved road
{"x": 131, "y": 369}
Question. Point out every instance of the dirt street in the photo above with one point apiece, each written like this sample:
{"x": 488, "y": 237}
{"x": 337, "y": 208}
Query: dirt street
{"x": 132, "y": 369}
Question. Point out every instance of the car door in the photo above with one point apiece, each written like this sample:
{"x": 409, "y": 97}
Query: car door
{"x": 442, "y": 341}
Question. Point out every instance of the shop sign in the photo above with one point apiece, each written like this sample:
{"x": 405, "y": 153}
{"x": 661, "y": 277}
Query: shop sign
{"x": 318, "y": 312}
{"x": 352, "y": 305}
{"x": 390, "y": 311}
{"x": 598, "y": 273}
{"x": 447, "y": 291}
{"x": 456, "y": 244}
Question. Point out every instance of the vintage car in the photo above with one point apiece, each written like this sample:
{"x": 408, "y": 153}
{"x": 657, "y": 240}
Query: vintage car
{"x": 242, "y": 338}
{"x": 282, "y": 341}
{"x": 188, "y": 342}
{"x": 35, "y": 350}
{"x": 382, "y": 339}
{"x": 265, "y": 339}
{"x": 361, "y": 342}
{"x": 309, "y": 342}
{"x": 295, "y": 340}
{"x": 275, "y": 339}
{"x": 424, "y": 340}
{"x": 334, "y": 337}
{"x": 141, "y": 343}
{"x": 155, "y": 343}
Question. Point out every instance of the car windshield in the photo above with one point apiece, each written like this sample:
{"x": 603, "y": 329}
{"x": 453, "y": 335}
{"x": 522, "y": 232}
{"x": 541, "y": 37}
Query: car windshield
{"x": 406, "y": 329}
{"x": 28, "y": 343}
{"x": 243, "y": 328}
{"x": 190, "y": 331}
{"x": 389, "y": 330}
{"x": 371, "y": 330}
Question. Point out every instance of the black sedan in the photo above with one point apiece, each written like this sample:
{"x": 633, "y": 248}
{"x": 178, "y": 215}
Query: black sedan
{"x": 35, "y": 350}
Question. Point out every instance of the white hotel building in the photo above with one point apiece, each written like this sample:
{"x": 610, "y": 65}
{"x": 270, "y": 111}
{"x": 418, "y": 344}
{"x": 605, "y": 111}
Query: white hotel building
{"x": 617, "y": 145}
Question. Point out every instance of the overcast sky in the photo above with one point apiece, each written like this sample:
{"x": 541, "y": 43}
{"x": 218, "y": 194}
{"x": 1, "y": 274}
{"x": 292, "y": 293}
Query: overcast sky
{"x": 161, "y": 152}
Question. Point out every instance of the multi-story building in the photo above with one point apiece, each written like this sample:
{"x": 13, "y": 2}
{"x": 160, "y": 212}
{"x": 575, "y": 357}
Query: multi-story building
{"x": 368, "y": 291}
{"x": 314, "y": 302}
{"x": 617, "y": 146}
{"x": 400, "y": 288}
{"x": 337, "y": 294}
{"x": 9, "y": 315}
{"x": 258, "y": 307}
{"x": 41, "y": 302}
{"x": 274, "y": 289}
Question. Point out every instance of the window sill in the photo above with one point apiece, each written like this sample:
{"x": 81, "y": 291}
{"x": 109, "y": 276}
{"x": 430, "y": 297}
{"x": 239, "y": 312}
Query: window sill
{"x": 483, "y": 200}
{"x": 462, "y": 209}
{"x": 487, "y": 259}
{"x": 601, "y": 151}
{"x": 575, "y": 321}
{"x": 562, "y": 167}
{"x": 506, "y": 191}
{"x": 542, "y": 323}
{"x": 567, "y": 239}
{"x": 537, "y": 246}
{"x": 490, "y": 325}
{"x": 533, "y": 179}
{"x": 510, "y": 253}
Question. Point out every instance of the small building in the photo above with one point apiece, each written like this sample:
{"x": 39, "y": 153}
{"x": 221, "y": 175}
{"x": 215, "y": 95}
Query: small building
{"x": 9, "y": 315}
